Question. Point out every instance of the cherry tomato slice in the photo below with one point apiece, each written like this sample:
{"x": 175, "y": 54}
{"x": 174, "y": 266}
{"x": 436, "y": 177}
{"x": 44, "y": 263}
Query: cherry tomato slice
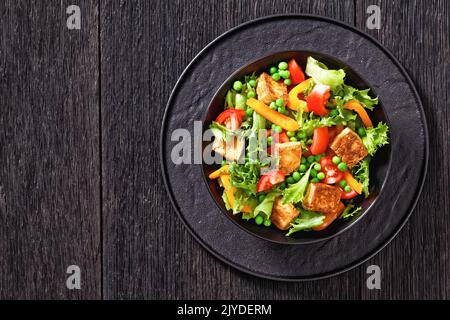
{"x": 317, "y": 99}
{"x": 268, "y": 180}
{"x": 348, "y": 195}
{"x": 332, "y": 173}
{"x": 232, "y": 118}
{"x": 320, "y": 141}
{"x": 297, "y": 75}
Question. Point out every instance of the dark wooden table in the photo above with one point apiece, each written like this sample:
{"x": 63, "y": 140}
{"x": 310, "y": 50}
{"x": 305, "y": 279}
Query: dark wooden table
{"x": 80, "y": 184}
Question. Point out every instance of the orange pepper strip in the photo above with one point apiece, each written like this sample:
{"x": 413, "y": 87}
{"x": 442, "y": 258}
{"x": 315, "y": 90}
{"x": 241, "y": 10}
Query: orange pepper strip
{"x": 294, "y": 102}
{"x": 352, "y": 182}
{"x": 225, "y": 179}
{"x": 273, "y": 116}
{"x": 359, "y": 109}
{"x": 218, "y": 172}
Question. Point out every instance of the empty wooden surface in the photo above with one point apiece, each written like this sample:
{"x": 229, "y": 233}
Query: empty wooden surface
{"x": 79, "y": 171}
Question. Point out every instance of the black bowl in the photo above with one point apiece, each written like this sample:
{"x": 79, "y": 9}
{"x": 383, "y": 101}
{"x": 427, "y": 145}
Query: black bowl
{"x": 378, "y": 168}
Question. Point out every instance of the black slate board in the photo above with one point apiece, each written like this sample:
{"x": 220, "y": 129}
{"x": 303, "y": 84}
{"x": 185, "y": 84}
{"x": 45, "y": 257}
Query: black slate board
{"x": 260, "y": 38}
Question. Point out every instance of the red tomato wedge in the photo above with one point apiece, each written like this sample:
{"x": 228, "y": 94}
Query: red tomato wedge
{"x": 320, "y": 141}
{"x": 332, "y": 173}
{"x": 268, "y": 180}
{"x": 296, "y": 71}
{"x": 317, "y": 99}
{"x": 348, "y": 195}
{"x": 232, "y": 118}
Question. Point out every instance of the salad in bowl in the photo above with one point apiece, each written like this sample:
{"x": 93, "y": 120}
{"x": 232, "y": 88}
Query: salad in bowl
{"x": 296, "y": 145}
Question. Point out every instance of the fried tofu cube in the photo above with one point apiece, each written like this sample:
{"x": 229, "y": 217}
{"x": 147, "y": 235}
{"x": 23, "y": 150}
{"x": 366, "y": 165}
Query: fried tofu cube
{"x": 231, "y": 150}
{"x": 290, "y": 154}
{"x": 321, "y": 197}
{"x": 269, "y": 90}
{"x": 349, "y": 146}
{"x": 283, "y": 214}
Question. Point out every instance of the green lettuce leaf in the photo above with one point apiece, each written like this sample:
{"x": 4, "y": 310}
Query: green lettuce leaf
{"x": 320, "y": 74}
{"x": 296, "y": 192}
{"x": 376, "y": 137}
{"x": 255, "y": 137}
{"x": 361, "y": 173}
{"x": 306, "y": 221}
{"x": 350, "y": 211}
{"x": 264, "y": 209}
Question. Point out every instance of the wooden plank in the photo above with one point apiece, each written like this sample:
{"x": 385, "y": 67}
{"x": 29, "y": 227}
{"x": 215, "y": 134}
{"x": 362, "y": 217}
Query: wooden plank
{"x": 49, "y": 159}
{"x": 417, "y": 263}
{"x": 147, "y": 252}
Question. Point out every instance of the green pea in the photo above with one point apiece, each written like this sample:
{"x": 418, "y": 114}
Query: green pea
{"x": 283, "y": 65}
{"x": 314, "y": 180}
{"x": 259, "y": 219}
{"x": 252, "y": 83}
{"x": 237, "y": 85}
{"x": 276, "y": 76}
{"x": 321, "y": 176}
{"x": 288, "y": 82}
{"x": 269, "y": 140}
{"x": 261, "y": 197}
{"x": 336, "y": 160}
{"x": 279, "y": 102}
{"x": 362, "y": 132}
{"x": 301, "y": 135}
{"x": 278, "y": 129}
{"x": 342, "y": 184}
{"x": 290, "y": 134}
{"x": 347, "y": 189}
{"x": 290, "y": 180}
{"x": 296, "y": 176}
{"x": 249, "y": 112}
{"x": 310, "y": 159}
{"x": 273, "y": 105}
{"x": 281, "y": 109}
{"x": 273, "y": 126}
{"x": 285, "y": 74}
{"x": 302, "y": 167}
{"x": 342, "y": 166}
{"x": 267, "y": 223}
{"x": 303, "y": 161}
{"x": 334, "y": 113}
{"x": 317, "y": 167}
{"x": 273, "y": 70}
{"x": 317, "y": 157}
{"x": 251, "y": 94}
{"x": 293, "y": 139}
{"x": 313, "y": 173}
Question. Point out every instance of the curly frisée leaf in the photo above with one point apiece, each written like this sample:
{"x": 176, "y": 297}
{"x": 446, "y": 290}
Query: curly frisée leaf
{"x": 306, "y": 221}
{"x": 245, "y": 176}
{"x": 348, "y": 93}
{"x": 320, "y": 74}
{"x": 376, "y": 137}
{"x": 350, "y": 211}
{"x": 361, "y": 173}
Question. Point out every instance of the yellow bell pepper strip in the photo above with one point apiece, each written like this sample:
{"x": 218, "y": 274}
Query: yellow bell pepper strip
{"x": 352, "y": 182}
{"x": 225, "y": 179}
{"x": 359, "y": 109}
{"x": 218, "y": 172}
{"x": 294, "y": 102}
{"x": 273, "y": 116}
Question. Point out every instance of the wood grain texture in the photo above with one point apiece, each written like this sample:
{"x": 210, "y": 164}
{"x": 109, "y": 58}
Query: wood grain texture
{"x": 147, "y": 252}
{"x": 49, "y": 163}
{"x": 417, "y": 263}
